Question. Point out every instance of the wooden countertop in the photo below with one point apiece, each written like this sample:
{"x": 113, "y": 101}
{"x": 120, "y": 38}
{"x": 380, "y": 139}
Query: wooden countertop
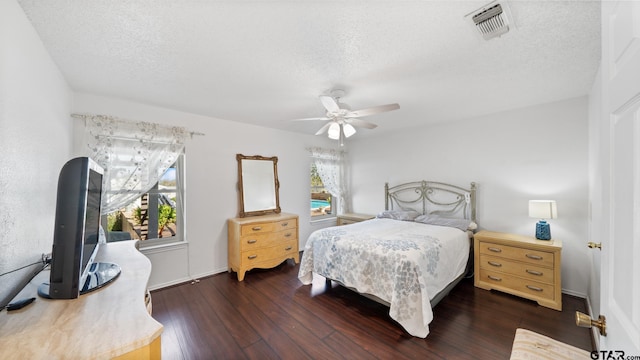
{"x": 102, "y": 324}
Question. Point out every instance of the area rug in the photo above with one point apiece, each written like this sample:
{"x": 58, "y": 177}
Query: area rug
{"x": 530, "y": 345}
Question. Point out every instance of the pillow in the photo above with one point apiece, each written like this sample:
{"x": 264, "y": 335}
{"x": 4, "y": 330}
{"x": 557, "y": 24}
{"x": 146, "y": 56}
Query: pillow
{"x": 404, "y": 215}
{"x": 462, "y": 224}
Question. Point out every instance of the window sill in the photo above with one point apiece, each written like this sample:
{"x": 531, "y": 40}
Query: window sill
{"x": 154, "y": 248}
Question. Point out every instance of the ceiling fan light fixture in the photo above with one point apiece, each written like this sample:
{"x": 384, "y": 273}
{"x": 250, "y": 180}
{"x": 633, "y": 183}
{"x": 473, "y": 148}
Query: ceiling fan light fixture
{"x": 334, "y": 131}
{"x": 348, "y": 130}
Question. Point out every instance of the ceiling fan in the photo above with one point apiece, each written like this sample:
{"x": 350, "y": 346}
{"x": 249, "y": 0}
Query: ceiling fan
{"x": 342, "y": 120}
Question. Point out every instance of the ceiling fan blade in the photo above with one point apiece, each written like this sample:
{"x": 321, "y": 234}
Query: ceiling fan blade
{"x": 324, "y": 128}
{"x": 372, "y": 110}
{"x": 361, "y": 123}
{"x": 314, "y": 118}
{"x": 329, "y": 103}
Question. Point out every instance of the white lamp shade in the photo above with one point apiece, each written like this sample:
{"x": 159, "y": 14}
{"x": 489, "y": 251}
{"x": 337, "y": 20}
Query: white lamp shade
{"x": 543, "y": 209}
{"x": 348, "y": 130}
{"x": 334, "y": 131}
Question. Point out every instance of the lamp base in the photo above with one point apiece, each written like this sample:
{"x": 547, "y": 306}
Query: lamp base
{"x": 543, "y": 231}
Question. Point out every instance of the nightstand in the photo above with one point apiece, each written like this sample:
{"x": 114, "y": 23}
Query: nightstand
{"x": 519, "y": 265}
{"x": 351, "y": 218}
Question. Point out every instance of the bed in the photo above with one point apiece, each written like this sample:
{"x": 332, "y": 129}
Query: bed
{"x": 409, "y": 257}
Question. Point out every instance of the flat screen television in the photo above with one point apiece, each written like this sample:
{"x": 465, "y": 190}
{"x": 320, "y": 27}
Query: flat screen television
{"x": 76, "y": 234}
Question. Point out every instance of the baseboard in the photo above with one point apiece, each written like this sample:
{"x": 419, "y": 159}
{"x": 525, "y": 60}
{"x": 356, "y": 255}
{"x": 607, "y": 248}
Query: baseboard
{"x": 574, "y": 293}
{"x": 187, "y": 279}
{"x": 168, "y": 284}
{"x": 210, "y": 273}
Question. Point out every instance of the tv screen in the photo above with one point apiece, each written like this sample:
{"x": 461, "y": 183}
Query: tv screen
{"x": 92, "y": 220}
{"x": 76, "y": 232}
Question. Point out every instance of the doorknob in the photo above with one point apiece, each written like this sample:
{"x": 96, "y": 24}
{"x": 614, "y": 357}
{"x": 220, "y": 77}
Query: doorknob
{"x": 593, "y": 245}
{"x": 584, "y": 320}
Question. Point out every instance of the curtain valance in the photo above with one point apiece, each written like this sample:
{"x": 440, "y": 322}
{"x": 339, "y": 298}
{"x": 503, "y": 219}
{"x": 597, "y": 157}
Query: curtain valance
{"x": 133, "y": 154}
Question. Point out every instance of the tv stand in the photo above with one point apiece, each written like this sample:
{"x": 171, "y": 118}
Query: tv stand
{"x": 113, "y": 322}
{"x": 100, "y": 274}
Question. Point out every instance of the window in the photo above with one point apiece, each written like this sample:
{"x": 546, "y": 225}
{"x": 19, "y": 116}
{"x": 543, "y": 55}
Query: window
{"x": 328, "y": 179}
{"x": 320, "y": 197}
{"x": 142, "y": 180}
{"x": 154, "y": 216}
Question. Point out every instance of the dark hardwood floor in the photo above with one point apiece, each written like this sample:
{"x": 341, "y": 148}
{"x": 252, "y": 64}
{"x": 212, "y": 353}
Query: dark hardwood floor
{"x": 271, "y": 315}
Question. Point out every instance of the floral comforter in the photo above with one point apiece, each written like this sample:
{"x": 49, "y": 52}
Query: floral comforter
{"x": 401, "y": 262}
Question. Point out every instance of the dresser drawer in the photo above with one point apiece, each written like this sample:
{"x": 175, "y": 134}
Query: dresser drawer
{"x": 286, "y": 225}
{"x": 532, "y": 288}
{"x": 539, "y": 258}
{"x": 261, "y": 228}
{"x": 260, "y": 240}
{"x": 255, "y": 256}
{"x": 524, "y": 270}
{"x": 257, "y": 228}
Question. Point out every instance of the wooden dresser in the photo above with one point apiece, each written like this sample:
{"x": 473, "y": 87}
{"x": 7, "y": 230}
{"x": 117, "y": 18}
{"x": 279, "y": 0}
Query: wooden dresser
{"x": 519, "y": 265}
{"x": 113, "y": 322}
{"x": 262, "y": 242}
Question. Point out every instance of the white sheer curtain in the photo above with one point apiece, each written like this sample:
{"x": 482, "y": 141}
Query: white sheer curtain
{"x": 332, "y": 169}
{"x": 134, "y": 155}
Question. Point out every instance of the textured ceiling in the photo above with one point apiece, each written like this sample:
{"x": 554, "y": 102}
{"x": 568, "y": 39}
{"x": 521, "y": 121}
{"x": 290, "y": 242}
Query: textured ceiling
{"x": 265, "y": 62}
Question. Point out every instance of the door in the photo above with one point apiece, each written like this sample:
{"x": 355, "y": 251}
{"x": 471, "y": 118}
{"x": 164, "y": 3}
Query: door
{"x": 620, "y": 162}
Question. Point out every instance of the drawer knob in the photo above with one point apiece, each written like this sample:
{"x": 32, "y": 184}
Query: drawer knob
{"x": 251, "y": 257}
{"x": 534, "y": 288}
{"x": 534, "y": 257}
{"x": 287, "y": 235}
{"x": 252, "y": 241}
{"x": 493, "y": 263}
{"x": 288, "y": 248}
{"x": 494, "y": 278}
{"x": 285, "y": 224}
{"x": 533, "y": 272}
{"x": 494, "y": 249}
{"x": 256, "y": 228}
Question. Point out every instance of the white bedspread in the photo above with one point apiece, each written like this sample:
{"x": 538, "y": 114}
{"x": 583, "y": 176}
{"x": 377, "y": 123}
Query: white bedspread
{"x": 401, "y": 262}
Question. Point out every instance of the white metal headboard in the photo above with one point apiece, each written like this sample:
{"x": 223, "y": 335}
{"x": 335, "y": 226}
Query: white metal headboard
{"x": 430, "y": 197}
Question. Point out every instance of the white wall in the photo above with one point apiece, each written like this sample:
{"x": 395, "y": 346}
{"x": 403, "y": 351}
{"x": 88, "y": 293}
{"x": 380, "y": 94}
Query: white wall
{"x": 537, "y": 152}
{"x": 211, "y": 178}
{"x": 35, "y": 141}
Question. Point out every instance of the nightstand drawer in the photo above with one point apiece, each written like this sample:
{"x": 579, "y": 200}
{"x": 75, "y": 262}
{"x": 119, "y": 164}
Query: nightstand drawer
{"x": 524, "y": 270}
{"x": 346, "y": 219}
{"x": 500, "y": 280}
{"x": 539, "y": 258}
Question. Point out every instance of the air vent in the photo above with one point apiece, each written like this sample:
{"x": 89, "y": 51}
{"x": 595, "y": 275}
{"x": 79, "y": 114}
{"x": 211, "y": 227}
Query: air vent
{"x": 492, "y": 20}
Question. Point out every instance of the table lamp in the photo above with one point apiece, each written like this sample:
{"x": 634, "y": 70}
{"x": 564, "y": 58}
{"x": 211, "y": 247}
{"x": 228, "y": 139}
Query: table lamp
{"x": 543, "y": 209}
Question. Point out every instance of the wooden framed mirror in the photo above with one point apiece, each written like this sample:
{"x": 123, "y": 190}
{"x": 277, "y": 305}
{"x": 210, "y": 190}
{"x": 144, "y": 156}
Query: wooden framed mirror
{"x": 258, "y": 185}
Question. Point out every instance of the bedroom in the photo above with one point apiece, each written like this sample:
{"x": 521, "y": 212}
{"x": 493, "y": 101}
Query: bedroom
{"x": 545, "y": 151}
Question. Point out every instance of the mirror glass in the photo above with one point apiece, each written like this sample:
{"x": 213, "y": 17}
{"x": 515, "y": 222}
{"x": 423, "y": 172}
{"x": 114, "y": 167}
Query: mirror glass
{"x": 258, "y": 185}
